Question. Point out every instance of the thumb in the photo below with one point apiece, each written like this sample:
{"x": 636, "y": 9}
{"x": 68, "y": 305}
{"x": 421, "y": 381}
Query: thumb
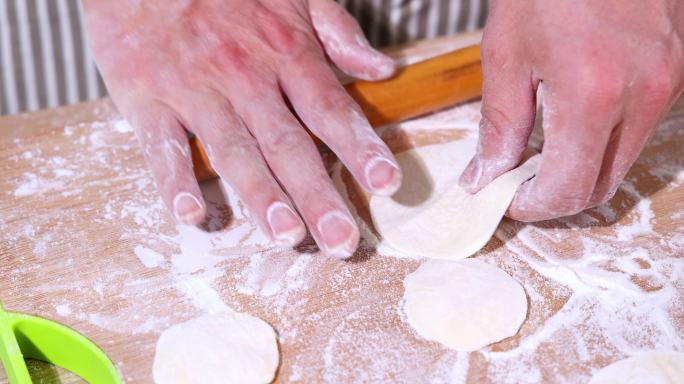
{"x": 345, "y": 44}
{"x": 508, "y": 112}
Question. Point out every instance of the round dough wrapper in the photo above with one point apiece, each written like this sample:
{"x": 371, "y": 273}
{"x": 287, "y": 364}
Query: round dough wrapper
{"x": 660, "y": 367}
{"x": 463, "y": 304}
{"x": 431, "y": 216}
{"x": 227, "y": 347}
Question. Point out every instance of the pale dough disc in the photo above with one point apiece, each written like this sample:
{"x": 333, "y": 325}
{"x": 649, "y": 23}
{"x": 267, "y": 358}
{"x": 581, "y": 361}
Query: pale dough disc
{"x": 227, "y": 347}
{"x": 463, "y": 304}
{"x": 649, "y": 368}
{"x": 431, "y": 216}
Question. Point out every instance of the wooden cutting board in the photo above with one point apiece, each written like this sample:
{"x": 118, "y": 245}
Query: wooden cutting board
{"x": 84, "y": 240}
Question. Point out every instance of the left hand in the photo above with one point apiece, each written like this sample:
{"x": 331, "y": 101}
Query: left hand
{"x": 228, "y": 71}
{"x": 610, "y": 70}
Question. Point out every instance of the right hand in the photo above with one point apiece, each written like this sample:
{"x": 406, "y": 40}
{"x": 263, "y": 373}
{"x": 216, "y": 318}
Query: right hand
{"x": 610, "y": 70}
{"x": 226, "y": 70}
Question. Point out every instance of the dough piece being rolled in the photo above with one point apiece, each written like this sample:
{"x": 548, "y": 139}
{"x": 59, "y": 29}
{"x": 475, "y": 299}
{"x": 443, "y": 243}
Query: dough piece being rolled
{"x": 226, "y": 347}
{"x": 463, "y": 304}
{"x": 431, "y": 216}
{"x": 650, "y": 368}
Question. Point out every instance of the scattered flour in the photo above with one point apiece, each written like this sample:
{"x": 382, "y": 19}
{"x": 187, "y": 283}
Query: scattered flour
{"x": 63, "y": 310}
{"x": 36, "y": 184}
{"x": 641, "y": 226}
{"x": 203, "y": 296}
{"x": 620, "y": 290}
{"x": 148, "y": 257}
{"x": 598, "y": 292}
{"x": 122, "y": 126}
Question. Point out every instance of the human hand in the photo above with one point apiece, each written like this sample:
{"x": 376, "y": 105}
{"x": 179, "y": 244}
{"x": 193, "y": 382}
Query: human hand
{"x": 609, "y": 72}
{"x": 225, "y": 70}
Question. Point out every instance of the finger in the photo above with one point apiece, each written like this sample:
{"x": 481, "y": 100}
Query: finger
{"x": 165, "y": 146}
{"x": 332, "y": 115}
{"x": 508, "y": 113}
{"x": 624, "y": 146}
{"x": 345, "y": 43}
{"x": 235, "y": 155}
{"x": 295, "y": 161}
{"x": 651, "y": 98}
{"x": 577, "y": 124}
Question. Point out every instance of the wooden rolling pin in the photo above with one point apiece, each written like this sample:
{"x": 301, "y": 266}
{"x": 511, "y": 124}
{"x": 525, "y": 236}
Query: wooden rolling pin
{"x": 415, "y": 90}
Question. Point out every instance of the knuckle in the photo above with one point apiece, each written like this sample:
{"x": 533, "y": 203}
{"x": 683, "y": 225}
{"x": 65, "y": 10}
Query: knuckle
{"x": 236, "y": 146}
{"x": 282, "y": 37}
{"x": 284, "y": 141}
{"x": 297, "y": 45}
{"x": 332, "y": 101}
{"x": 659, "y": 88}
{"x": 230, "y": 54}
{"x": 499, "y": 119}
{"x": 661, "y": 82}
{"x": 493, "y": 57}
{"x": 497, "y": 126}
{"x": 602, "y": 86}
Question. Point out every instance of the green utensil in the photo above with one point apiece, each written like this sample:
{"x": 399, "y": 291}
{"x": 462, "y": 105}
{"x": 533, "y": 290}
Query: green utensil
{"x": 23, "y": 336}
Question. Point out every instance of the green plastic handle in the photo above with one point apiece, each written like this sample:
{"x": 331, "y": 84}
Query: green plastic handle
{"x": 24, "y": 336}
{"x": 10, "y": 351}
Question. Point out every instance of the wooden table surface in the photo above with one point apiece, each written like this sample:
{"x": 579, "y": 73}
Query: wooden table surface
{"x": 85, "y": 241}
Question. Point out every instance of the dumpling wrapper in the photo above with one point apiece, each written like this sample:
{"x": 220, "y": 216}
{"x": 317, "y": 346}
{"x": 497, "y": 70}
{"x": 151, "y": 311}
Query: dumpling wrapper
{"x": 431, "y": 215}
{"x": 463, "y": 304}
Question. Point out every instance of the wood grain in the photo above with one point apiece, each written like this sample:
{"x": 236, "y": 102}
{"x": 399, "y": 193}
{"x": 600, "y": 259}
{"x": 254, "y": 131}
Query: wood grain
{"x": 78, "y": 204}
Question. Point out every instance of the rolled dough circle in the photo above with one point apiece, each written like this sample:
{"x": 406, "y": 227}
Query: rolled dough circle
{"x": 464, "y": 304}
{"x": 431, "y": 216}
{"x": 227, "y": 347}
{"x": 660, "y": 367}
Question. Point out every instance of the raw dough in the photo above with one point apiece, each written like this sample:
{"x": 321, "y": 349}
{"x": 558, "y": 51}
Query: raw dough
{"x": 463, "y": 304}
{"x": 649, "y": 368}
{"x": 226, "y": 347}
{"x": 431, "y": 216}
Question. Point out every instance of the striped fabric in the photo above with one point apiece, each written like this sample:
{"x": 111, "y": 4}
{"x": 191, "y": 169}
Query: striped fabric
{"x": 389, "y": 22}
{"x": 45, "y": 60}
{"x": 44, "y": 56}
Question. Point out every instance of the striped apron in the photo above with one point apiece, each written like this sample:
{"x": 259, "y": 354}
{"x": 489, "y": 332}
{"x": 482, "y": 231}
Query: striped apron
{"x": 45, "y": 60}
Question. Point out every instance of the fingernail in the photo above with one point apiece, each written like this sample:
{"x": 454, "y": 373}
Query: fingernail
{"x": 383, "y": 64}
{"x": 383, "y": 176}
{"x": 471, "y": 176}
{"x": 285, "y": 225}
{"x": 187, "y": 208}
{"x": 338, "y": 234}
